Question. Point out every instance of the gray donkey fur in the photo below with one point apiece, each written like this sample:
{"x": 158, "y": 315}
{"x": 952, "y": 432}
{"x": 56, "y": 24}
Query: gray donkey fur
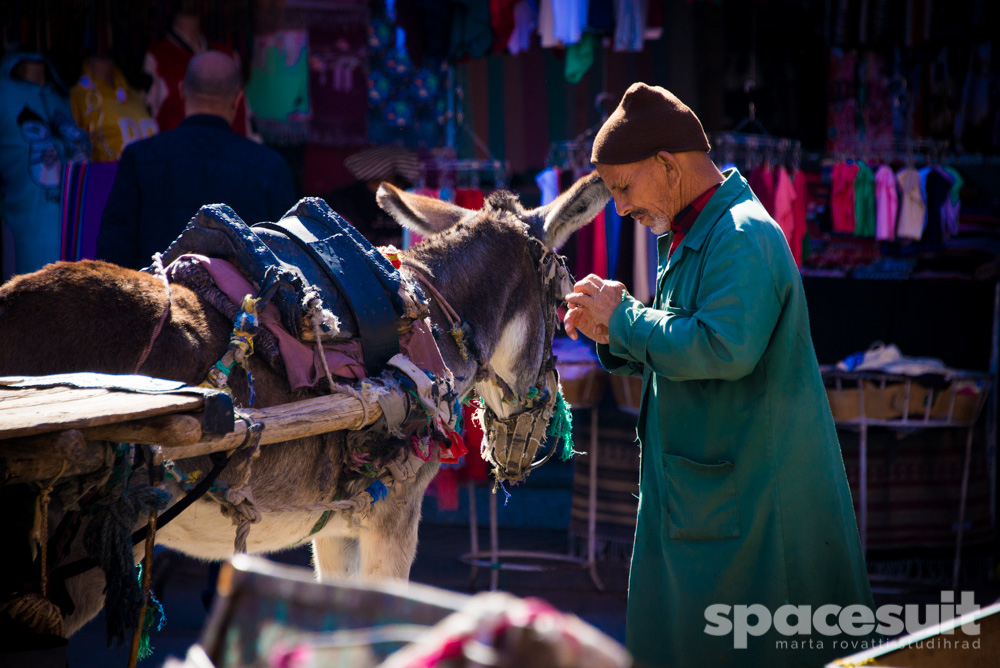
{"x": 478, "y": 260}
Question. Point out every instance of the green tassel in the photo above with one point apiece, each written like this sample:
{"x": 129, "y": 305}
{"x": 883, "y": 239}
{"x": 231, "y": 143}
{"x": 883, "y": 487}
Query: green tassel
{"x": 154, "y": 615}
{"x": 561, "y": 427}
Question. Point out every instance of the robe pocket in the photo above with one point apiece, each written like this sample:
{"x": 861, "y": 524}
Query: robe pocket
{"x": 701, "y": 500}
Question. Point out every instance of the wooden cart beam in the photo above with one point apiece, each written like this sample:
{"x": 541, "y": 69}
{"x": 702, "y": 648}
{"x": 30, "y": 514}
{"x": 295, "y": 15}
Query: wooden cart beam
{"x": 161, "y": 430}
{"x": 42, "y": 458}
{"x": 298, "y": 419}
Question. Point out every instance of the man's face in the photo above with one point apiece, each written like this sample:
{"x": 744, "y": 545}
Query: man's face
{"x": 644, "y": 191}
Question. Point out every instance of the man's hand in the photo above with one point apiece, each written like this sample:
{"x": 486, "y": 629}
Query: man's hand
{"x": 591, "y": 304}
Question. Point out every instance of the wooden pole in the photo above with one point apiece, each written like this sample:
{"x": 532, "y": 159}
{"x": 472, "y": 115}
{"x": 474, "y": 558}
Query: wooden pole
{"x": 163, "y": 429}
{"x": 37, "y": 458}
{"x": 40, "y": 457}
{"x": 147, "y": 570}
{"x": 298, "y": 419}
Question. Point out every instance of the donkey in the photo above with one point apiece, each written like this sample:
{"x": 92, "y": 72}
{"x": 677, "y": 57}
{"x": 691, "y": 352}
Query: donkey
{"x": 94, "y": 316}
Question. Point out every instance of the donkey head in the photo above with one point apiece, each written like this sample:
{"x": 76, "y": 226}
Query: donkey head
{"x": 497, "y": 267}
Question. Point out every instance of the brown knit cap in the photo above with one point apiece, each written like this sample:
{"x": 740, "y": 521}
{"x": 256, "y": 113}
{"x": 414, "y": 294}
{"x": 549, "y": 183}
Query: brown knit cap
{"x": 649, "y": 119}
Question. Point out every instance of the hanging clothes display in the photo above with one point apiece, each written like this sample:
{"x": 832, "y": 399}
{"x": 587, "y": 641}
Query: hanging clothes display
{"x": 799, "y": 212}
{"x": 613, "y": 230}
{"x": 546, "y": 24}
{"x": 37, "y": 138}
{"x": 569, "y": 18}
{"x": 953, "y": 204}
{"x": 938, "y": 189}
{"x": 912, "y": 208}
{"x": 85, "y": 191}
{"x": 502, "y": 21}
{"x": 864, "y": 201}
{"x": 166, "y": 62}
{"x": 641, "y": 287}
{"x": 470, "y": 198}
{"x": 886, "y": 204}
{"x": 278, "y": 89}
{"x": 525, "y": 23}
{"x": 630, "y": 24}
{"x": 842, "y": 197}
{"x": 784, "y": 211}
{"x": 762, "y": 184}
{"x": 338, "y": 81}
{"x": 580, "y": 56}
{"x": 111, "y": 113}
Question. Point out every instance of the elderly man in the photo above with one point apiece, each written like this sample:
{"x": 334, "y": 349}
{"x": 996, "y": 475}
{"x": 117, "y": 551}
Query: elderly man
{"x": 163, "y": 181}
{"x": 744, "y": 505}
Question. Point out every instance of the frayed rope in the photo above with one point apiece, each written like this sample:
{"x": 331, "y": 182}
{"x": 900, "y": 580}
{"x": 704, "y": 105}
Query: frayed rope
{"x": 108, "y": 540}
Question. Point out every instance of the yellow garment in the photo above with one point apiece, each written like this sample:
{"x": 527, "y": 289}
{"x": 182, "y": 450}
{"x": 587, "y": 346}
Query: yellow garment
{"x": 112, "y": 116}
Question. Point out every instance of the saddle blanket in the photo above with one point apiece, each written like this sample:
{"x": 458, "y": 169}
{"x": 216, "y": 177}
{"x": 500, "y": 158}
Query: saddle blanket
{"x": 302, "y": 362}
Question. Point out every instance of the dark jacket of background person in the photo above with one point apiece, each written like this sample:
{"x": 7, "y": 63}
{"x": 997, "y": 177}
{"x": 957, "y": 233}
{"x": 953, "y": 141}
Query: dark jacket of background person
{"x": 163, "y": 181}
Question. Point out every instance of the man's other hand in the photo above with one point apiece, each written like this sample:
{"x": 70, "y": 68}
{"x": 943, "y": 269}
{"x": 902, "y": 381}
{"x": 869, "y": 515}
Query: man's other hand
{"x": 591, "y": 304}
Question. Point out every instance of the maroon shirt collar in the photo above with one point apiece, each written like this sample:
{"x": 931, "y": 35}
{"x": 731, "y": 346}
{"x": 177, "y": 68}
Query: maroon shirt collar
{"x": 684, "y": 221}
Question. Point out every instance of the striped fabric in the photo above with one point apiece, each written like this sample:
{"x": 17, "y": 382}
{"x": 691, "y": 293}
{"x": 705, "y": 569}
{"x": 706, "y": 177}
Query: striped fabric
{"x": 85, "y": 190}
{"x": 617, "y": 485}
{"x": 382, "y": 162}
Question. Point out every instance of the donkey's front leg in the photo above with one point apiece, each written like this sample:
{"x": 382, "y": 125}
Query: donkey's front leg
{"x": 335, "y": 557}
{"x": 389, "y": 540}
{"x": 389, "y": 543}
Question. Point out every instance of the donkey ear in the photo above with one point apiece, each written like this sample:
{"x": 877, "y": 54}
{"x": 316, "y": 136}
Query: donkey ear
{"x": 572, "y": 209}
{"x": 424, "y": 215}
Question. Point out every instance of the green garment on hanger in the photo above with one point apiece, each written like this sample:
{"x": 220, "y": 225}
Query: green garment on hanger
{"x": 864, "y": 201}
{"x": 580, "y": 56}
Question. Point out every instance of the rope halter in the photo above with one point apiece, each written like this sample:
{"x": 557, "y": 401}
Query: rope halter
{"x": 511, "y": 444}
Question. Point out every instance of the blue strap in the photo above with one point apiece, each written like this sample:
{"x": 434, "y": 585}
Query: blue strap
{"x": 377, "y": 490}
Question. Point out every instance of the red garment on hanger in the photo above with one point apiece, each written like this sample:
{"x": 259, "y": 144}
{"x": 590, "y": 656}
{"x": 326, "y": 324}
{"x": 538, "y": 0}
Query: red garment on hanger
{"x": 784, "y": 211}
{"x": 842, "y": 197}
{"x": 171, "y": 60}
{"x": 762, "y": 185}
{"x": 502, "y": 22}
{"x": 799, "y": 209}
{"x": 592, "y": 249}
{"x": 470, "y": 198}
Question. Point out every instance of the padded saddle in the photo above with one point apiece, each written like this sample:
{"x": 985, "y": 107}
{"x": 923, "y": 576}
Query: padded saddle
{"x": 311, "y": 250}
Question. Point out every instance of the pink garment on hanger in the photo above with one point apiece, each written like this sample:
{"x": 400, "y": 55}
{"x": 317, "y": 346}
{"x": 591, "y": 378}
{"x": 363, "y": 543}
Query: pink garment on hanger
{"x": 600, "y": 257}
{"x": 799, "y": 211}
{"x": 784, "y": 214}
{"x": 886, "y": 204}
{"x": 762, "y": 185}
{"x": 842, "y": 197}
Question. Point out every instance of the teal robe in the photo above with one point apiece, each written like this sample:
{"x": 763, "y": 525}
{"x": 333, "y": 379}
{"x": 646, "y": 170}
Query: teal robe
{"x": 743, "y": 495}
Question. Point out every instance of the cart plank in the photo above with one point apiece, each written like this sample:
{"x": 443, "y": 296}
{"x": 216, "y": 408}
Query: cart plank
{"x": 80, "y": 408}
{"x": 16, "y": 399}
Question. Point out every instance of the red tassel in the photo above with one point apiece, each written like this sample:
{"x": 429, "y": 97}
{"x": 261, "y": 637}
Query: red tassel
{"x": 451, "y": 454}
